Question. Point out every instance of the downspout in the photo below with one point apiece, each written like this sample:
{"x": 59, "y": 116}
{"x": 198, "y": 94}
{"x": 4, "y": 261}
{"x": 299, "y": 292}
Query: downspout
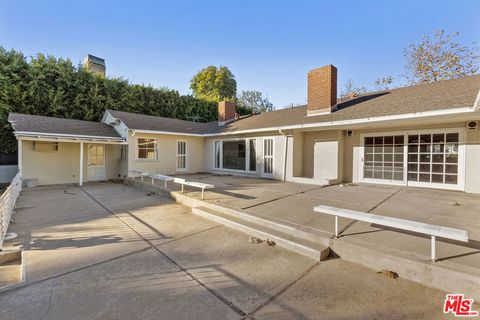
{"x": 285, "y": 154}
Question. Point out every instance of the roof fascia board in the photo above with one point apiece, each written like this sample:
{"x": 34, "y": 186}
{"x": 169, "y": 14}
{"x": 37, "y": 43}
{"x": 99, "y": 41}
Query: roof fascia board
{"x": 354, "y": 121}
{"x": 167, "y": 132}
{"x": 51, "y": 139}
{"x": 476, "y": 105}
{"x": 313, "y": 125}
{"x": 29, "y": 133}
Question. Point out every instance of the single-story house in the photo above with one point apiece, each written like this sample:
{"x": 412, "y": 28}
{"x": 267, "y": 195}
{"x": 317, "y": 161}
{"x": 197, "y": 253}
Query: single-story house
{"x": 423, "y": 135}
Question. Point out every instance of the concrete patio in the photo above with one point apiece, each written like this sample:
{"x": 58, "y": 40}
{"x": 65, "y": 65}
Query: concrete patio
{"x": 108, "y": 251}
{"x": 458, "y": 264}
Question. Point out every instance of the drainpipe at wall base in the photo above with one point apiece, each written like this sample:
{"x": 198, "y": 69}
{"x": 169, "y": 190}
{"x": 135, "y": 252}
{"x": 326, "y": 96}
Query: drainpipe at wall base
{"x": 285, "y": 153}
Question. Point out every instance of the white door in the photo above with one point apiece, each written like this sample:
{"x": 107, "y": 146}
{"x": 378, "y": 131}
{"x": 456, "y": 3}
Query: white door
{"x": 96, "y": 162}
{"x": 181, "y": 155}
{"x": 267, "y": 169}
{"x": 325, "y": 161}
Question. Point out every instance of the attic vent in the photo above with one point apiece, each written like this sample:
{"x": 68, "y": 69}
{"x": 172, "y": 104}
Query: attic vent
{"x": 41, "y": 146}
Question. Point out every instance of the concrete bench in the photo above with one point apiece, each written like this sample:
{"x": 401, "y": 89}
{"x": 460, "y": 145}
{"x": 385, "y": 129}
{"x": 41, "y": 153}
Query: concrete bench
{"x": 424, "y": 228}
{"x": 194, "y": 184}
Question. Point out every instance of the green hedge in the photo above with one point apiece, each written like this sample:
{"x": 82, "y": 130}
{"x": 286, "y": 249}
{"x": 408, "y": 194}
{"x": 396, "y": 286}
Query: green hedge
{"x": 49, "y": 86}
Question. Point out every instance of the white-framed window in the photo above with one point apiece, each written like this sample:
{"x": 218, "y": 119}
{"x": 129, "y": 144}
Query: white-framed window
{"x": 235, "y": 155}
{"x": 268, "y": 156}
{"x": 123, "y": 152}
{"x": 181, "y": 155}
{"x": 147, "y": 149}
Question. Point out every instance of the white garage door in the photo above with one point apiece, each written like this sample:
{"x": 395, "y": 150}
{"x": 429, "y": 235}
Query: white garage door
{"x": 424, "y": 158}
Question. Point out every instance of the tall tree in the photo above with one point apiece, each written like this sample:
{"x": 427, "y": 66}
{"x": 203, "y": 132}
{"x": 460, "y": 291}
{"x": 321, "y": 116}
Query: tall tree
{"x": 49, "y": 86}
{"x": 214, "y": 84}
{"x": 440, "y": 58}
{"x": 252, "y": 101}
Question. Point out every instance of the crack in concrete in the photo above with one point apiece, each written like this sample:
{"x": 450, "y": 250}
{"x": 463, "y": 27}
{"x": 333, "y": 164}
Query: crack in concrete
{"x": 281, "y": 291}
{"x": 213, "y": 292}
{"x": 49, "y": 302}
{"x": 282, "y": 197}
{"x": 370, "y": 210}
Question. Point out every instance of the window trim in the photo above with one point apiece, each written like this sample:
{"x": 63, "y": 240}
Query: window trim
{"x": 461, "y": 158}
{"x": 177, "y": 155}
{"x": 155, "y": 141}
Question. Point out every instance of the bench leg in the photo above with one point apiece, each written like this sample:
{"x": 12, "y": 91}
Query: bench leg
{"x": 141, "y": 178}
{"x": 182, "y": 188}
{"x": 336, "y": 226}
{"x": 202, "y": 193}
{"x": 433, "y": 249}
{"x": 152, "y": 181}
{"x": 165, "y": 184}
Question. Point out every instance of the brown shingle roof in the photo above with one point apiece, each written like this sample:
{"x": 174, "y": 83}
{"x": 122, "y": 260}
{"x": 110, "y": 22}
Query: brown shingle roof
{"x": 440, "y": 95}
{"x": 40, "y": 124}
{"x": 144, "y": 122}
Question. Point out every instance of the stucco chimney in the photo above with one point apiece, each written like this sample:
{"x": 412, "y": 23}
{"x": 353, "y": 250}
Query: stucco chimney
{"x": 226, "y": 112}
{"x": 322, "y": 90}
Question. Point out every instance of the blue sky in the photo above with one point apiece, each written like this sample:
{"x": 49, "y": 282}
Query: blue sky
{"x": 269, "y": 45}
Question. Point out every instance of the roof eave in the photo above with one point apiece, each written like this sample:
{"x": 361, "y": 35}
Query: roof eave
{"x": 72, "y": 137}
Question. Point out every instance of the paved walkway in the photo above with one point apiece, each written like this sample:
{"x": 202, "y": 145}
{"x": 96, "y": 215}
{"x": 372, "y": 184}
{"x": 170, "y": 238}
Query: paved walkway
{"x": 107, "y": 251}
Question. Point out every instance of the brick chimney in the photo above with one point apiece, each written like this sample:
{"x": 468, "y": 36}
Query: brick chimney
{"x": 322, "y": 90}
{"x": 226, "y": 112}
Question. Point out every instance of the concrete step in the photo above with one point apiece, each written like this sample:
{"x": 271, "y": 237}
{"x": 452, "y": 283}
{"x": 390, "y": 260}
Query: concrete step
{"x": 444, "y": 275}
{"x": 11, "y": 269}
{"x": 298, "y": 231}
{"x": 314, "y": 250}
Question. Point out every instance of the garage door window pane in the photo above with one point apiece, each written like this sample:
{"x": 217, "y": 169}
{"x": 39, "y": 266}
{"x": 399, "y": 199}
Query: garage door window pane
{"x": 387, "y": 155}
{"x": 436, "y": 160}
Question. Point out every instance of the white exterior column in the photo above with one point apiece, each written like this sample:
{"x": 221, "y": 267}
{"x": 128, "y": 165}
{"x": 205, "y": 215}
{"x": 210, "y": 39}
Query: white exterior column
{"x": 20, "y": 157}
{"x": 81, "y": 165}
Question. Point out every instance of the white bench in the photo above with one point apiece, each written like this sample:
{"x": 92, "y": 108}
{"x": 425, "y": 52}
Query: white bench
{"x": 160, "y": 177}
{"x": 429, "y": 229}
{"x": 153, "y": 176}
{"x": 194, "y": 184}
{"x": 139, "y": 173}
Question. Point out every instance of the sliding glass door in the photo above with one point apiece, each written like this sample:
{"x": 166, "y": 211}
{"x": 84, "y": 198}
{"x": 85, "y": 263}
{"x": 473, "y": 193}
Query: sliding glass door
{"x": 236, "y": 155}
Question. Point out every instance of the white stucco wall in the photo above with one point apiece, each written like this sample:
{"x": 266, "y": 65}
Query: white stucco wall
{"x": 166, "y": 163}
{"x": 472, "y": 161}
{"x": 63, "y": 166}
